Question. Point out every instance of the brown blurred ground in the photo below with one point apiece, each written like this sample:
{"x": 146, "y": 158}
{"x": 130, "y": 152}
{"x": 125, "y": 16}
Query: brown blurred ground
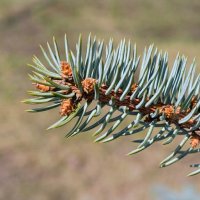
{"x": 40, "y": 165}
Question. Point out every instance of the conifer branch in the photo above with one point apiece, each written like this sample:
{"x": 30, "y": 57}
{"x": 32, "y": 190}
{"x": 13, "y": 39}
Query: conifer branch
{"x": 159, "y": 97}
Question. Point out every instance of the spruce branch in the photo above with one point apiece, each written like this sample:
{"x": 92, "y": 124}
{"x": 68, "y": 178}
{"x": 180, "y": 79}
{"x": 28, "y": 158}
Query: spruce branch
{"x": 157, "y": 98}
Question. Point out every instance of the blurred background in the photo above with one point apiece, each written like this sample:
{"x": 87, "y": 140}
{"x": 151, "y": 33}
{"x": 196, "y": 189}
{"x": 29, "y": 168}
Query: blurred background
{"x": 36, "y": 164}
